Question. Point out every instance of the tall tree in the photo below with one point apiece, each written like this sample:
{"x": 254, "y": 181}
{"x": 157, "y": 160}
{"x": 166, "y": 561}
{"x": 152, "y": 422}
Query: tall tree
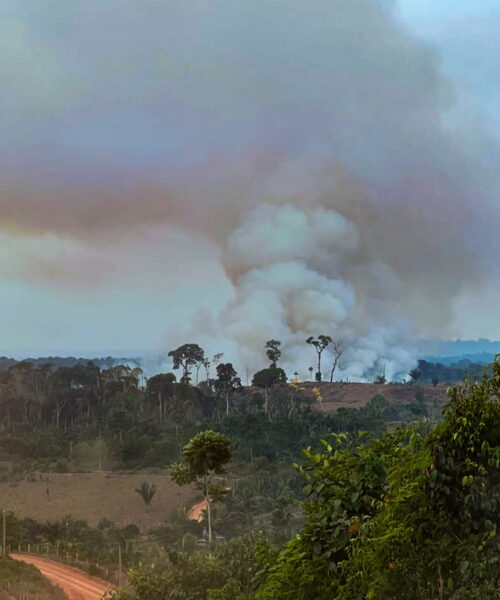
{"x": 273, "y": 352}
{"x": 159, "y": 388}
{"x": 266, "y": 379}
{"x": 185, "y": 357}
{"x": 319, "y": 343}
{"x": 205, "y": 456}
{"x": 227, "y": 383}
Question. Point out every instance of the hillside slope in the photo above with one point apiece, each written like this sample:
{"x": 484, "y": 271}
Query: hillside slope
{"x": 356, "y": 395}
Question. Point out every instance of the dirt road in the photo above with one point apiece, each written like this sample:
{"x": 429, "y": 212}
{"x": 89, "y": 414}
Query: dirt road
{"x": 76, "y": 584}
{"x": 196, "y": 512}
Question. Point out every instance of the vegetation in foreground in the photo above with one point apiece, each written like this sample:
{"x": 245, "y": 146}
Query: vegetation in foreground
{"x": 19, "y": 580}
{"x": 414, "y": 515}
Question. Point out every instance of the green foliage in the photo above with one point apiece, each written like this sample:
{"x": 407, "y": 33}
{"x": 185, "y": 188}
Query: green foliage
{"x": 23, "y": 581}
{"x": 407, "y": 516}
{"x": 208, "y": 451}
{"x": 205, "y": 456}
{"x": 231, "y": 571}
{"x": 266, "y": 378}
{"x": 457, "y": 371}
{"x": 227, "y": 383}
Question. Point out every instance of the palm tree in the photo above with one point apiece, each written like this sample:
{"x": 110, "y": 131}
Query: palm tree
{"x": 147, "y": 492}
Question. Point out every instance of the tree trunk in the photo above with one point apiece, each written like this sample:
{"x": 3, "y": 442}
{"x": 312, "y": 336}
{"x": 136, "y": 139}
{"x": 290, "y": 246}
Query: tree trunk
{"x": 209, "y": 515}
{"x": 209, "y": 510}
{"x": 334, "y": 366}
{"x": 441, "y": 582}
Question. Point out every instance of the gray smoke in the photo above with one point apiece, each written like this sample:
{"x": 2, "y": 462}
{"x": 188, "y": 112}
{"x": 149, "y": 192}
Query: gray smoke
{"x": 291, "y": 168}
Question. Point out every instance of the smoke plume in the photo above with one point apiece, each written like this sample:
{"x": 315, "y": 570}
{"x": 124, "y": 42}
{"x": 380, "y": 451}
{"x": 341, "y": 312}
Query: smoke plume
{"x": 238, "y": 171}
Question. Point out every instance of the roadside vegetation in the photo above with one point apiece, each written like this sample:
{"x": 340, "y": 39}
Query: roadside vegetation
{"x": 20, "y": 581}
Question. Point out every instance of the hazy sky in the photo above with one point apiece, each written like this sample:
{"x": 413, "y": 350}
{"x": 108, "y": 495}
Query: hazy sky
{"x": 142, "y": 141}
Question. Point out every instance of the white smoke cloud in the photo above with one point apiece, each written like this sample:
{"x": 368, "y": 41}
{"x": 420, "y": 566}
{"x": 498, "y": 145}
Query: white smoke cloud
{"x": 291, "y": 268}
{"x": 295, "y": 163}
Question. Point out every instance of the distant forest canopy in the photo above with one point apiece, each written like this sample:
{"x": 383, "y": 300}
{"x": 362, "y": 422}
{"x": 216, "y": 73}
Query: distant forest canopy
{"x": 444, "y": 350}
{"x": 443, "y": 369}
{"x": 68, "y": 361}
{"x": 431, "y": 372}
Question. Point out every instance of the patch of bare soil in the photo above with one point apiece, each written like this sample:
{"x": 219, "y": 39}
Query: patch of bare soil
{"x": 355, "y": 395}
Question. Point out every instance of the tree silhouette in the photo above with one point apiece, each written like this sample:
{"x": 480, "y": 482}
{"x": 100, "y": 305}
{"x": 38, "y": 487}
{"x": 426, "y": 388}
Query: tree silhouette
{"x": 415, "y": 374}
{"x": 319, "y": 343}
{"x": 227, "y": 383}
{"x": 273, "y": 352}
{"x": 186, "y": 356}
{"x": 338, "y": 350}
{"x": 147, "y": 492}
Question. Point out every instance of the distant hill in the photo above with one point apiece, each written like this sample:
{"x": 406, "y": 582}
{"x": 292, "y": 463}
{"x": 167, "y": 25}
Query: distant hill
{"x": 457, "y": 349}
{"x": 482, "y": 358}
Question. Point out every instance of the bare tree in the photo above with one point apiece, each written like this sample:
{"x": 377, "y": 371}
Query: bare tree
{"x": 338, "y": 350}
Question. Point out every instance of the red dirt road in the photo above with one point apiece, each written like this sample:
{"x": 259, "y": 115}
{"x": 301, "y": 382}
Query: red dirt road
{"x": 196, "y": 512}
{"x": 76, "y": 584}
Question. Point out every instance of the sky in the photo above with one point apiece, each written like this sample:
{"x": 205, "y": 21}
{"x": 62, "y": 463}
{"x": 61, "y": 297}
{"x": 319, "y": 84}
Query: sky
{"x": 236, "y": 170}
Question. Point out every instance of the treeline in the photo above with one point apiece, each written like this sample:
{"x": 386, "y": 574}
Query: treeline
{"x": 68, "y": 361}
{"x": 429, "y": 372}
{"x": 115, "y": 417}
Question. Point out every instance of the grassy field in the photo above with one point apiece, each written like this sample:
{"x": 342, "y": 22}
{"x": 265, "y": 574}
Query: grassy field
{"x": 92, "y": 496}
{"x": 19, "y": 580}
{"x": 95, "y": 495}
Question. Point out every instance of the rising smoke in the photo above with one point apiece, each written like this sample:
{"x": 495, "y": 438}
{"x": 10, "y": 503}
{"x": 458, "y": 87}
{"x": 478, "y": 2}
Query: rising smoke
{"x": 303, "y": 154}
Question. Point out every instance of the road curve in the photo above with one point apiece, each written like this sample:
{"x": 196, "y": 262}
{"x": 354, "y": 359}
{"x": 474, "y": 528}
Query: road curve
{"x": 196, "y": 512}
{"x": 76, "y": 584}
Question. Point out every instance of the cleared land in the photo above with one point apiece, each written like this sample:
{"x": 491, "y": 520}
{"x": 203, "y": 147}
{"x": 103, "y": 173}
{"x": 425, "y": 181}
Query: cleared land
{"x": 96, "y": 495}
{"x": 92, "y": 496}
{"x": 356, "y": 395}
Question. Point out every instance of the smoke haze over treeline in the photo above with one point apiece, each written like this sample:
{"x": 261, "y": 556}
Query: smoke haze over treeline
{"x": 232, "y": 172}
